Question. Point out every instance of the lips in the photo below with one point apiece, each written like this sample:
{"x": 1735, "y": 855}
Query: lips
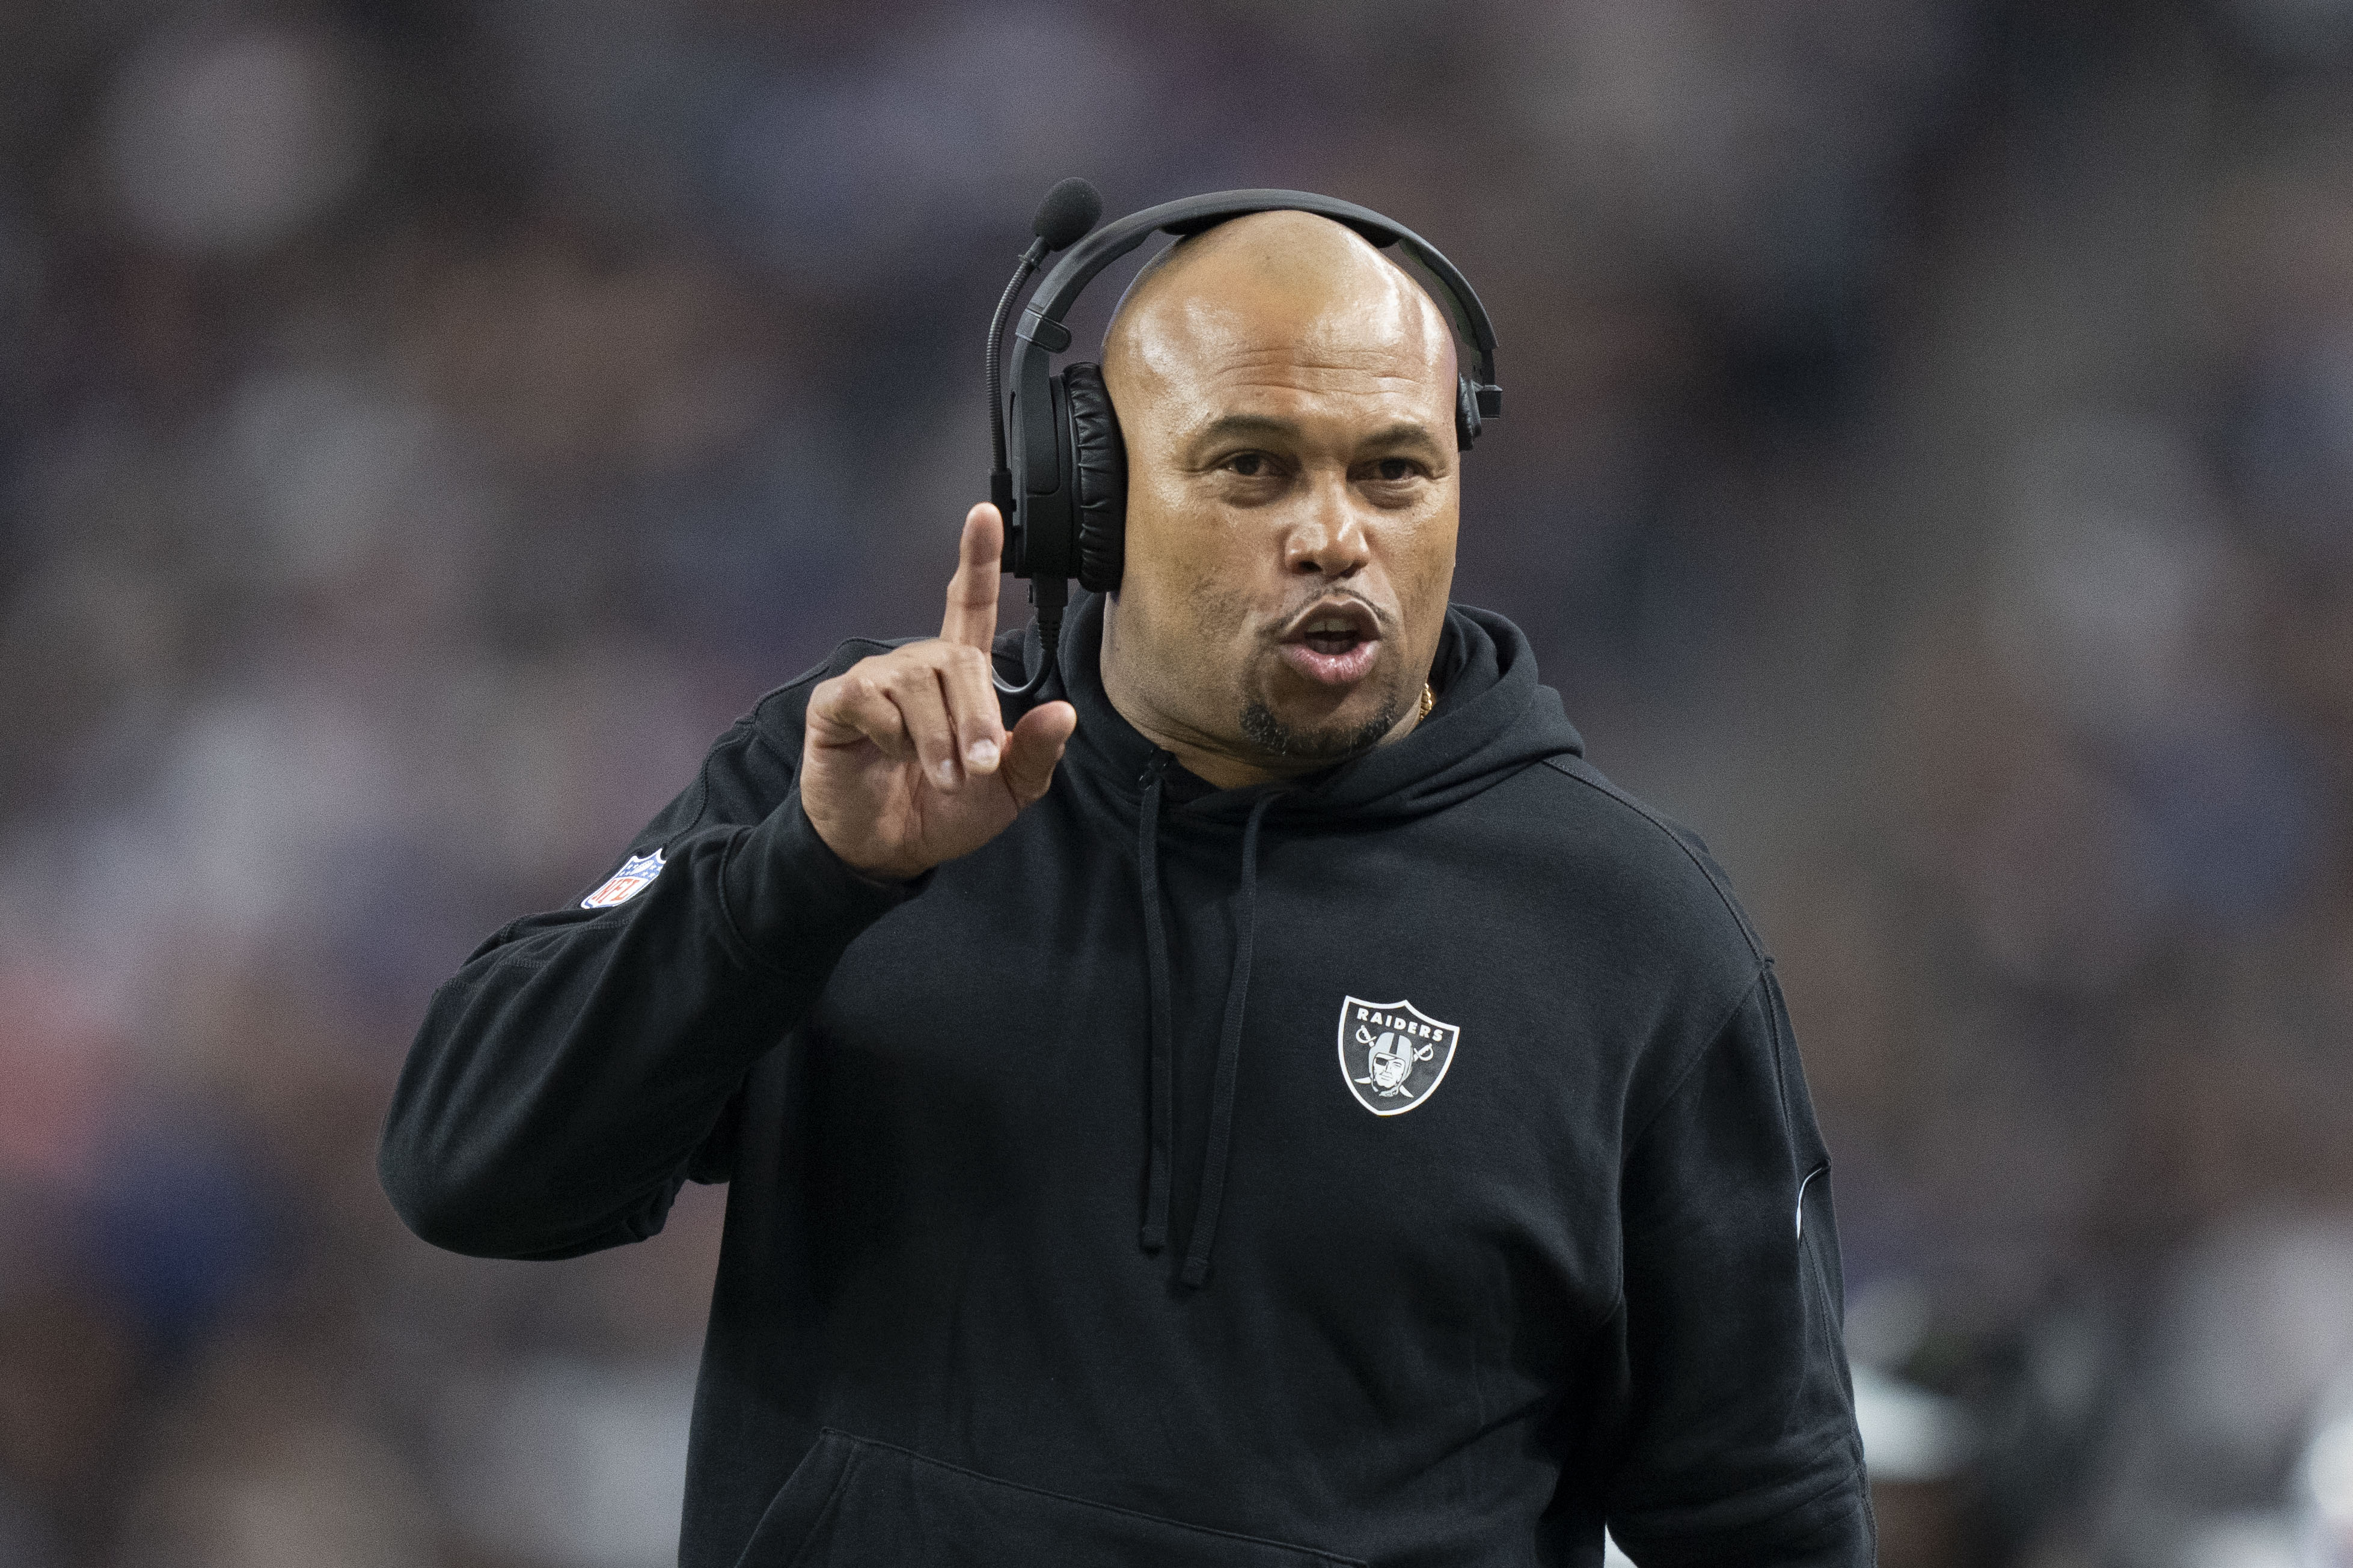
{"x": 1333, "y": 642}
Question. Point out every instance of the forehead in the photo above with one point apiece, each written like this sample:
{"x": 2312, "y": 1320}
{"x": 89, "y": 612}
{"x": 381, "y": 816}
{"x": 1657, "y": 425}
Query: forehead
{"x": 1390, "y": 333}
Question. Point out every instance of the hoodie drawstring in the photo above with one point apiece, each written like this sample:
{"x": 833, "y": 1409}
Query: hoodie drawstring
{"x": 1162, "y": 1114}
{"x": 1229, "y": 1061}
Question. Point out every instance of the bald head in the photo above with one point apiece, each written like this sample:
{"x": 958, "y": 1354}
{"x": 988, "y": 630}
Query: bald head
{"x": 1269, "y": 277}
{"x": 1286, "y": 394}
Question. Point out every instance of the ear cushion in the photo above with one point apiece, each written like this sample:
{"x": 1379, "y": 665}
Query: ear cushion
{"x": 1466, "y": 414}
{"x": 1098, "y": 479}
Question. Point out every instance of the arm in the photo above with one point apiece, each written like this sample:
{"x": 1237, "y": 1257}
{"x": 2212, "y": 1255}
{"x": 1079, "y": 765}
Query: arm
{"x": 1739, "y": 1443}
{"x": 564, "y": 1079}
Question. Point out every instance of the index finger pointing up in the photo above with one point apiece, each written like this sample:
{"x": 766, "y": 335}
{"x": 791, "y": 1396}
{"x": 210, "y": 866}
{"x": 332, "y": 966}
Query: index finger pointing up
{"x": 971, "y": 619}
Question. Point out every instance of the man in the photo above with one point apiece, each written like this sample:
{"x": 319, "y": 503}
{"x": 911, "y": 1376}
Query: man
{"x": 1059, "y": 1230}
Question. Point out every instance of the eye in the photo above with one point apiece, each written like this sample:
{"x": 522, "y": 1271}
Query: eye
{"x": 1397, "y": 470}
{"x": 1249, "y": 464}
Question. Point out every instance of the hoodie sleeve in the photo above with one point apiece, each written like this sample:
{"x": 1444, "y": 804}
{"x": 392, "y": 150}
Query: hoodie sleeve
{"x": 564, "y": 1080}
{"x": 1739, "y": 1443}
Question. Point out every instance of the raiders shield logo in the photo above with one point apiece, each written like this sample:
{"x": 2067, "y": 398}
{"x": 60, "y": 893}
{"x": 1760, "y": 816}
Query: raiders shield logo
{"x": 1393, "y": 1054}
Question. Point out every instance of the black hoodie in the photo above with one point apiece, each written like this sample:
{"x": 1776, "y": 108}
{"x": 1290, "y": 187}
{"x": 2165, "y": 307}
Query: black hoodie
{"x": 1409, "y": 1165}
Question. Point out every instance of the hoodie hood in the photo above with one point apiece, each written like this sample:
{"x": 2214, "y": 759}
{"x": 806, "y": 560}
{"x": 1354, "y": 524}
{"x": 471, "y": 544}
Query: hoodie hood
{"x": 1491, "y": 720}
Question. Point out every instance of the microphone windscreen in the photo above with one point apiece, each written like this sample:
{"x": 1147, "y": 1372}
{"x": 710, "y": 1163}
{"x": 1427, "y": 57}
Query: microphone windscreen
{"x": 1069, "y": 210}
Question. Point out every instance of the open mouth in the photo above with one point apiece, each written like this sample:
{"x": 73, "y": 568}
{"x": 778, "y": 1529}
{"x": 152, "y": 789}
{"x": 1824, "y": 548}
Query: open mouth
{"x": 1333, "y": 642}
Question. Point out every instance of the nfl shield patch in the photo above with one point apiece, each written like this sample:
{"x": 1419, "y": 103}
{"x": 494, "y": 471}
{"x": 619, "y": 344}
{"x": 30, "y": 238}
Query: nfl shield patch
{"x": 637, "y": 873}
{"x": 1393, "y": 1054}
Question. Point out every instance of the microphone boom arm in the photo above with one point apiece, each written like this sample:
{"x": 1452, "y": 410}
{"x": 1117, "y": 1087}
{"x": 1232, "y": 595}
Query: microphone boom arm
{"x": 1000, "y": 486}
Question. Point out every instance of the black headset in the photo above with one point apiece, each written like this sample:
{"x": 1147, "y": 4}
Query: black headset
{"x": 1063, "y": 494}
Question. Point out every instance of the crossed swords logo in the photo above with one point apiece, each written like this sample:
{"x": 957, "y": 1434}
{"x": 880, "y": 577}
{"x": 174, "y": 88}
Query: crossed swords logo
{"x": 1391, "y": 1060}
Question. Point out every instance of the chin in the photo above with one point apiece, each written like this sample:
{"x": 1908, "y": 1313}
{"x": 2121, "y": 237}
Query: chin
{"x": 1301, "y": 734}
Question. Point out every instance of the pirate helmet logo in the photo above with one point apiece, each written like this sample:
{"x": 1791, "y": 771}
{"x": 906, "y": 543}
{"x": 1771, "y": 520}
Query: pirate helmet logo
{"x": 1393, "y": 1054}
{"x": 1391, "y": 1060}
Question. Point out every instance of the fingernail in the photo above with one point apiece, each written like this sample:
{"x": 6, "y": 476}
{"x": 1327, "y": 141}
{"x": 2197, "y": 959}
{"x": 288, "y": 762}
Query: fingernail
{"x": 945, "y": 773}
{"x": 981, "y": 755}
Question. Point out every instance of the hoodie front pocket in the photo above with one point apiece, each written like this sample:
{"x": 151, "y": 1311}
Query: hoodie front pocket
{"x": 800, "y": 1505}
{"x": 856, "y": 1503}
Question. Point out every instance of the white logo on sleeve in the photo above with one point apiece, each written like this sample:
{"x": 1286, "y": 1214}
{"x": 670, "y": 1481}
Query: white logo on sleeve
{"x": 1393, "y": 1054}
{"x": 636, "y": 875}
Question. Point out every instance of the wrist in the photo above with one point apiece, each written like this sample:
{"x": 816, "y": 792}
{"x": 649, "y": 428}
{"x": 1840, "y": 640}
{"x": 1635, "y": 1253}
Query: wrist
{"x": 845, "y": 853}
{"x": 787, "y": 890}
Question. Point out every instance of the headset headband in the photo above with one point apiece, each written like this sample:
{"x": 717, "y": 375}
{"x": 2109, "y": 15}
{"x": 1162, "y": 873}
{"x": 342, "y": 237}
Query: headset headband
{"x": 1041, "y": 322}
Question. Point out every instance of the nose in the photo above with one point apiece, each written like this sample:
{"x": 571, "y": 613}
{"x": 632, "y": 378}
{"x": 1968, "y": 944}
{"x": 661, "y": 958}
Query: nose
{"x": 1328, "y": 539}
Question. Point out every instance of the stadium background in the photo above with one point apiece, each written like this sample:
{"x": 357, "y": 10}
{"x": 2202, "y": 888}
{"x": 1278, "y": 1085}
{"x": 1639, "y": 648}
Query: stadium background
{"x": 424, "y": 426}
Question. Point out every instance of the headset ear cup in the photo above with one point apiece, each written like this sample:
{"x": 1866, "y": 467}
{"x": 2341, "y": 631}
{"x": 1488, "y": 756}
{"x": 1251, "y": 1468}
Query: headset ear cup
{"x": 1466, "y": 414}
{"x": 1098, "y": 480}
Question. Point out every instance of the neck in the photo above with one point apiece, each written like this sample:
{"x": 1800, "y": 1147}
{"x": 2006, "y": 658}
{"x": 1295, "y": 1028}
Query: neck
{"x": 1220, "y": 765}
{"x": 1223, "y": 761}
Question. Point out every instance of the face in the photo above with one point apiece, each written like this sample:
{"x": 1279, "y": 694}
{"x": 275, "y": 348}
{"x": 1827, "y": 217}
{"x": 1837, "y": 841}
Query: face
{"x": 1288, "y": 405}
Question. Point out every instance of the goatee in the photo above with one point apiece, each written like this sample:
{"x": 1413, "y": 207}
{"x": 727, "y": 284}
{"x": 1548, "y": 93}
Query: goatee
{"x": 1324, "y": 744}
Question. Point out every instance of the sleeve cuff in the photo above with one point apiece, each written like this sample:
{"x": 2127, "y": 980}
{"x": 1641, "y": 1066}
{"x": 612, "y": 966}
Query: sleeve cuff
{"x": 795, "y": 904}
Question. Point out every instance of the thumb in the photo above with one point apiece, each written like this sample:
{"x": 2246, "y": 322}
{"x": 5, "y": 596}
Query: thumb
{"x": 1033, "y": 748}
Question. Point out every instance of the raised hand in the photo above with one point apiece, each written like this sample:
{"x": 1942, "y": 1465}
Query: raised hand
{"x": 906, "y": 760}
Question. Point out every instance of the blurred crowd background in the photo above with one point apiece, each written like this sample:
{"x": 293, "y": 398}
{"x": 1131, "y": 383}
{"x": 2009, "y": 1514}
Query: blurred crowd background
{"x": 425, "y": 423}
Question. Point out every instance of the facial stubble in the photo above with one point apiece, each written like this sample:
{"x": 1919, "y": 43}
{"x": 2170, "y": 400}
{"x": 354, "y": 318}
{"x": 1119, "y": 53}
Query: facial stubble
{"x": 1325, "y": 743}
